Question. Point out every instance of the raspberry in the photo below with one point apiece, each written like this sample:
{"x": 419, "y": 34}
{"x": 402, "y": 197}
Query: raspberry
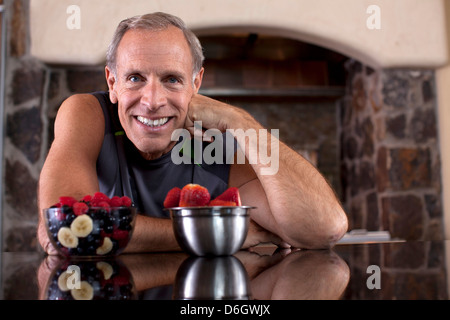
{"x": 126, "y": 201}
{"x": 67, "y": 201}
{"x": 100, "y": 196}
{"x": 115, "y": 201}
{"x": 80, "y": 208}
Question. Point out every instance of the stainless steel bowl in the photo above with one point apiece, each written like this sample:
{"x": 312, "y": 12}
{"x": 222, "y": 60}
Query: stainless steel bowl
{"x": 216, "y": 231}
{"x": 211, "y": 278}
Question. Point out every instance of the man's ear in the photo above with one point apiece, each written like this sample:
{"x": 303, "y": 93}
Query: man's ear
{"x": 198, "y": 80}
{"x": 111, "y": 81}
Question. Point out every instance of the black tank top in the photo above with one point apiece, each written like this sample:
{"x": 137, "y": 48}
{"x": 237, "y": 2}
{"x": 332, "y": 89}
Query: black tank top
{"x": 122, "y": 170}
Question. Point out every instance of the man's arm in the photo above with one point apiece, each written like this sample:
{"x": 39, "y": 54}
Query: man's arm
{"x": 296, "y": 202}
{"x": 70, "y": 170}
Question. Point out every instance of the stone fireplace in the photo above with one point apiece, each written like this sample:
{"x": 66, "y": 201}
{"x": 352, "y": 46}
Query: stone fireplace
{"x": 371, "y": 130}
{"x": 361, "y": 104}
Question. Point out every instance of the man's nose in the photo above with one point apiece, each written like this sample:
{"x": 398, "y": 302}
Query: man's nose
{"x": 153, "y": 95}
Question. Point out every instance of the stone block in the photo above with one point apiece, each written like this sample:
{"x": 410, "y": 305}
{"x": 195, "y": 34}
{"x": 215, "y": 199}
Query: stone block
{"x": 27, "y": 83}
{"x": 403, "y": 216}
{"x": 20, "y": 191}
{"x": 24, "y": 128}
{"x": 409, "y": 168}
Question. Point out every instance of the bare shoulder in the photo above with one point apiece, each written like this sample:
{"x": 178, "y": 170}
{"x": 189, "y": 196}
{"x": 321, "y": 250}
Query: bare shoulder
{"x": 80, "y": 124}
{"x": 81, "y": 106}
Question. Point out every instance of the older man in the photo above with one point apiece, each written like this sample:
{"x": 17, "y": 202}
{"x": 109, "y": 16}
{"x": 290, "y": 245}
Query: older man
{"x": 119, "y": 142}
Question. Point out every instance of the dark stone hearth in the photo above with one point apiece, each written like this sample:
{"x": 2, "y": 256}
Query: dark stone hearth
{"x": 20, "y": 190}
{"x": 24, "y": 128}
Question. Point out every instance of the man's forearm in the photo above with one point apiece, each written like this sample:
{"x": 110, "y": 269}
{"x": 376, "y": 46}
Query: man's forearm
{"x": 152, "y": 235}
{"x": 302, "y": 203}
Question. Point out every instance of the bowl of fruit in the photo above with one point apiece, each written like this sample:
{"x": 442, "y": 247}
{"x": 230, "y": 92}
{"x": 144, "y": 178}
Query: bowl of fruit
{"x": 205, "y": 226}
{"x": 94, "y": 226}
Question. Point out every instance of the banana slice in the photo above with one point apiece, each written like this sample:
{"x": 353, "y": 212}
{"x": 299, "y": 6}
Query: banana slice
{"x": 106, "y": 268}
{"x": 86, "y": 291}
{"x": 67, "y": 238}
{"x": 105, "y": 247}
{"x": 62, "y": 281}
{"x": 82, "y": 225}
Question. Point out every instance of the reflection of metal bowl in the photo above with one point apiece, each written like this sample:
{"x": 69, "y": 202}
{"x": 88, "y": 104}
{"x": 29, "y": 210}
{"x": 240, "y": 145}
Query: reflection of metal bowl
{"x": 211, "y": 278}
{"x": 205, "y": 231}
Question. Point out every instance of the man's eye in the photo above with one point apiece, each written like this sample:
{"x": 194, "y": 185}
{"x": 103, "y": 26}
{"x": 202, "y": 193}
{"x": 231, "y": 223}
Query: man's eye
{"x": 172, "y": 80}
{"x": 134, "y": 78}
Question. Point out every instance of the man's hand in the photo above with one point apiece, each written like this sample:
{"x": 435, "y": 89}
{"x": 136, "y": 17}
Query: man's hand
{"x": 256, "y": 235}
{"x": 213, "y": 114}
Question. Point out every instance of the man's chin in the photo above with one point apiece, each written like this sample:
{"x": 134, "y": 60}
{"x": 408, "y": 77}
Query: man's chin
{"x": 155, "y": 151}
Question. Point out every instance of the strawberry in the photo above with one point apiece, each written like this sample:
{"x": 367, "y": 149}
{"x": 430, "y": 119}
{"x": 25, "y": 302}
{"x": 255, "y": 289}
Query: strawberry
{"x": 172, "y": 198}
{"x": 217, "y": 202}
{"x": 194, "y": 195}
{"x": 80, "y": 208}
{"x": 231, "y": 194}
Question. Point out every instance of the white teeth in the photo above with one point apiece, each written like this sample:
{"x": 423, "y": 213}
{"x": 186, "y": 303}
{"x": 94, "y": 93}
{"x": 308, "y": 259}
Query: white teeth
{"x": 153, "y": 123}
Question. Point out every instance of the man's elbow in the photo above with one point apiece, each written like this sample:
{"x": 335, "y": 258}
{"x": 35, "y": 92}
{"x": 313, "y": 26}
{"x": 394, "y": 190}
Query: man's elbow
{"x": 323, "y": 235}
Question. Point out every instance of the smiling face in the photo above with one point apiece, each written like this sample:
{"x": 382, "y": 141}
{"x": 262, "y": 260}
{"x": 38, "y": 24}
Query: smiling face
{"x": 153, "y": 85}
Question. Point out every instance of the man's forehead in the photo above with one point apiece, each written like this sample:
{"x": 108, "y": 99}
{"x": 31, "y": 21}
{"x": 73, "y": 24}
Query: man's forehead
{"x": 142, "y": 43}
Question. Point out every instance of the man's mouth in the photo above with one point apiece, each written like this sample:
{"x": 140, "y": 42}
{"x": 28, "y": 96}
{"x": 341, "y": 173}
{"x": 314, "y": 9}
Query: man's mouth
{"x": 153, "y": 123}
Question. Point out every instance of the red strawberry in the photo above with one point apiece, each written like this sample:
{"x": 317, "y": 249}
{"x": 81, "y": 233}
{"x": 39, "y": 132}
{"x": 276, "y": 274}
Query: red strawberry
{"x": 172, "y": 198}
{"x": 126, "y": 201}
{"x": 231, "y": 194}
{"x": 67, "y": 201}
{"x": 217, "y": 202}
{"x": 80, "y": 208}
{"x": 194, "y": 195}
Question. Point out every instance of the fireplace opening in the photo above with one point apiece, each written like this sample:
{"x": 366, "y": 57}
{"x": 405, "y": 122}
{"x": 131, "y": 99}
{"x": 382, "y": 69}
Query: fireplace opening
{"x": 285, "y": 84}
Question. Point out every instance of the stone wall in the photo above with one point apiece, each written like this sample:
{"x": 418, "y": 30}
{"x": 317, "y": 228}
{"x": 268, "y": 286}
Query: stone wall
{"x": 390, "y": 157}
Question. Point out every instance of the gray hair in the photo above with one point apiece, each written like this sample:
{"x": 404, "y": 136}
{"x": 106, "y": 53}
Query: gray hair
{"x": 155, "y": 21}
